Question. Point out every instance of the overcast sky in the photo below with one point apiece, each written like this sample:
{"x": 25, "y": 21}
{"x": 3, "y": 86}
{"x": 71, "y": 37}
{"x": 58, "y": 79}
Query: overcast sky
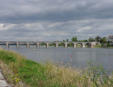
{"x": 55, "y": 19}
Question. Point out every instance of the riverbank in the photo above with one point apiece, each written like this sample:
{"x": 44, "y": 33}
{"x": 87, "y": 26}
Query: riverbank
{"x": 21, "y": 72}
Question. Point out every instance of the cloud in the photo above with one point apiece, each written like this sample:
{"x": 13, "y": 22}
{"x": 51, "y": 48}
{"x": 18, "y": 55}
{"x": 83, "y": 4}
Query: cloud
{"x": 55, "y": 19}
{"x": 6, "y": 26}
{"x": 84, "y": 29}
{"x": 22, "y": 11}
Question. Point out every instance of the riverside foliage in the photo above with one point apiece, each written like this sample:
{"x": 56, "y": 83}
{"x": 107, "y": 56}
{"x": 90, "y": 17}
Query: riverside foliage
{"x": 18, "y": 69}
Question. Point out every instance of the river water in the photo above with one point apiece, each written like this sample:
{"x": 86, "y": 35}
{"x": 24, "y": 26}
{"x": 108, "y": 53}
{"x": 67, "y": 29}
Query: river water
{"x": 75, "y": 57}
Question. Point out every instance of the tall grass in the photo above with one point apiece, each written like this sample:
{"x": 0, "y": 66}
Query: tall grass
{"x": 49, "y": 75}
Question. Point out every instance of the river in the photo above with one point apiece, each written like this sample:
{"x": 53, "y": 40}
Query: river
{"x": 75, "y": 57}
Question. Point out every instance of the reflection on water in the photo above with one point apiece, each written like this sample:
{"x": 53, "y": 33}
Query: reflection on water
{"x": 77, "y": 57}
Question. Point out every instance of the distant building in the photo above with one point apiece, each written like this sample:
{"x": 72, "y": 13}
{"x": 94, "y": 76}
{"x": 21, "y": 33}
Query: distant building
{"x": 110, "y": 38}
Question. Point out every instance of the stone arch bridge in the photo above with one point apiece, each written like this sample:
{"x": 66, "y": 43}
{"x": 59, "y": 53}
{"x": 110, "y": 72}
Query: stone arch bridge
{"x": 46, "y": 44}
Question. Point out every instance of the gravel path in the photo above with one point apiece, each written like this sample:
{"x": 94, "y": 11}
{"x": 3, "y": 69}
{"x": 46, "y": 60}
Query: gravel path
{"x": 3, "y": 82}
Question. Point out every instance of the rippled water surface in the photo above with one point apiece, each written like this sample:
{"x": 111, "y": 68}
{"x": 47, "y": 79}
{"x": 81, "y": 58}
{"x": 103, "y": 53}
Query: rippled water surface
{"x": 76, "y": 57}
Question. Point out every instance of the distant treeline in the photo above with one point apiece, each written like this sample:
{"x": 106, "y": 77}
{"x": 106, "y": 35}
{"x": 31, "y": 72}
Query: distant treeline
{"x": 103, "y": 40}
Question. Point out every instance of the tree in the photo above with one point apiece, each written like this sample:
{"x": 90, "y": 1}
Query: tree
{"x": 74, "y": 39}
{"x": 67, "y": 40}
{"x": 103, "y": 40}
{"x": 91, "y": 39}
{"x": 98, "y": 38}
{"x": 85, "y": 40}
{"x": 63, "y": 40}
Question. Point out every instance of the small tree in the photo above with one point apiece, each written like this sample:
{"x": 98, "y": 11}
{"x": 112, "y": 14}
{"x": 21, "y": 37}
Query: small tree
{"x": 67, "y": 40}
{"x": 91, "y": 39}
{"x": 64, "y": 41}
{"x": 98, "y": 38}
{"x": 74, "y": 39}
{"x": 103, "y": 40}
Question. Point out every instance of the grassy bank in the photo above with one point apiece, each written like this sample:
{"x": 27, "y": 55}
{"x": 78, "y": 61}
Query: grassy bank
{"x": 26, "y": 73}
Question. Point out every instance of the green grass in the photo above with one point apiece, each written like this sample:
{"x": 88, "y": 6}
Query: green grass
{"x": 28, "y": 71}
{"x": 49, "y": 75}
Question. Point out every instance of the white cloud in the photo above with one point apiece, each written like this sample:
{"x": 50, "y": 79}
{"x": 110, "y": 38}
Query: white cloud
{"x": 84, "y": 29}
{"x": 6, "y": 26}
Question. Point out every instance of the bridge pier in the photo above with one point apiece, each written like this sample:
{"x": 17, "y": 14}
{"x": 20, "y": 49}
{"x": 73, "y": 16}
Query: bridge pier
{"x": 17, "y": 44}
{"x": 83, "y": 45}
{"x": 56, "y": 45}
{"x": 93, "y": 44}
{"x": 27, "y": 45}
{"x": 75, "y": 45}
{"x": 66, "y": 44}
{"x": 47, "y": 45}
{"x": 37, "y": 45}
{"x": 7, "y": 44}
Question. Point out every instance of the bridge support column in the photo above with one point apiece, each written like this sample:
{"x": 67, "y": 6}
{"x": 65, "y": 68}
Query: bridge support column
{"x": 56, "y": 44}
{"x": 17, "y": 44}
{"x": 83, "y": 45}
{"x": 75, "y": 45}
{"x": 37, "y": 45}
{"x": 66, "y": 44}
{"x": 7, "y": 44}
{"x": 93, "y": 44}
{"x": 47, "y": 45}
{"x": 27, "y": 45}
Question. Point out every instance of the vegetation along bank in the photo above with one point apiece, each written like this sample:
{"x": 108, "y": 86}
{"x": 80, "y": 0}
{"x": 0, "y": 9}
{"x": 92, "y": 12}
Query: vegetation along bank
{"x": 21, "y": 72}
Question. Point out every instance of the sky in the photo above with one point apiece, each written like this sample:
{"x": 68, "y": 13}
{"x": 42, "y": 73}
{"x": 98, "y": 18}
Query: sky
{"x": 50, "y": 20}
